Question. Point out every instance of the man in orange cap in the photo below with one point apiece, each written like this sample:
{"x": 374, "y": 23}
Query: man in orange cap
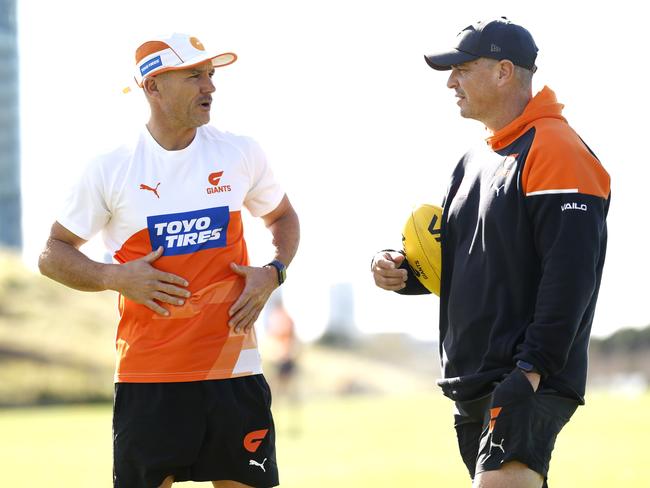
{"x": 190, "y": 400}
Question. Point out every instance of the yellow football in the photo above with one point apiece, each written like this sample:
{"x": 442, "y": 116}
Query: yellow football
{"x": 421, "y": 241}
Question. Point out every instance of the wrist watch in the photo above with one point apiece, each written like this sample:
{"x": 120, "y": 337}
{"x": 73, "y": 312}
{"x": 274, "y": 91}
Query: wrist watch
{"x": 280, "y": 268}
{"x": 527, "y": 367}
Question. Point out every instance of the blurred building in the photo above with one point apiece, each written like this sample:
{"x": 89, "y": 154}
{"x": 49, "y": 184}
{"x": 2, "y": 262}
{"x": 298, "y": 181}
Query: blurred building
{"x": 341, "y": 329}
{"x": 10, "y": 214}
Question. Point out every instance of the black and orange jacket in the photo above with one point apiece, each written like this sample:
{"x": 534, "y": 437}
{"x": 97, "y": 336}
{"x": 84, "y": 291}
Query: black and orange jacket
{"x": 523, "y": 247}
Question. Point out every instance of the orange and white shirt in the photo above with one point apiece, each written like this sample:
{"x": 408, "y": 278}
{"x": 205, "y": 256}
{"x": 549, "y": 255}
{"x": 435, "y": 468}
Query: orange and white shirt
{"x": 142, "y": 196}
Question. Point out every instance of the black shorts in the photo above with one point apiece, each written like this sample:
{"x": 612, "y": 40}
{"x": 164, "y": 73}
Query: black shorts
{"x": 198, "y": 431}
{"x": 513, "y": 423}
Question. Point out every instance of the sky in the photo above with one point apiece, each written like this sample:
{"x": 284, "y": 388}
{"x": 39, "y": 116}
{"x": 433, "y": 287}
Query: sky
{"x": 356, "y": 126}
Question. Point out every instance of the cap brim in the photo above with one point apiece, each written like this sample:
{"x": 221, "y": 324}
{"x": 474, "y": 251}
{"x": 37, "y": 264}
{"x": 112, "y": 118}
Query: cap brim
{"x": 218, "y": 61}
{"x": 224, "y": 59}
{"x": 444, "y": 61}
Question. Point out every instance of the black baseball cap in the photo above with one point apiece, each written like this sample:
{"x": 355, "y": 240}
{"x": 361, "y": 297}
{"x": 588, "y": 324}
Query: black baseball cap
{"x": 496, "y": 39}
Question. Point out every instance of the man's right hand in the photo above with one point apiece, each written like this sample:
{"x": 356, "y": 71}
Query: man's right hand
{"x": 385, "y": 270}
{"x": 139, "y": 281}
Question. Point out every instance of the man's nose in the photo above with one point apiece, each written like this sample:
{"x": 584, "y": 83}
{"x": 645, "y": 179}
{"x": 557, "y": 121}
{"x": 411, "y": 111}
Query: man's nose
{"x": 452, "y": 82}
{"x": 208, "y": 86}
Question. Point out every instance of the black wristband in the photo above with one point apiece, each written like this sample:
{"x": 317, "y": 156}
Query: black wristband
{"x": 281, "y": 270}
{"x": 527, "y": 367}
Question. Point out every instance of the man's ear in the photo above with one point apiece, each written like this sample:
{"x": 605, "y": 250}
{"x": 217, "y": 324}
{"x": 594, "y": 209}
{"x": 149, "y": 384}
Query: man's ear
{"x": 150, "y": 87}
{"x": 506, "y": 71}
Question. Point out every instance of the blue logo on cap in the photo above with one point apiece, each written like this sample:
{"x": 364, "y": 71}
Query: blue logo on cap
{"x": 150, "y": 65}
{"x": 189, "y": 232}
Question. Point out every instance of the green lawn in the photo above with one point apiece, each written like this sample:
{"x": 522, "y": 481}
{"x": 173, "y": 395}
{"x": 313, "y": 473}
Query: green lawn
{"x": 365, "y": 441}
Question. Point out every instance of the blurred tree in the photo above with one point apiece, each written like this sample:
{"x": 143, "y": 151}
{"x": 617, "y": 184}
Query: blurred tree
{"x": 623, "y": 341}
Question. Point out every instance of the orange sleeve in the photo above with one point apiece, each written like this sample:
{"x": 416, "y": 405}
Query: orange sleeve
{"x": 559, "y": 162}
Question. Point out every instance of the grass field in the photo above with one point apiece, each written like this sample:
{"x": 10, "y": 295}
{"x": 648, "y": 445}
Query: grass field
{"x": 56, "y": 346}
{"x": 363, "y": 441}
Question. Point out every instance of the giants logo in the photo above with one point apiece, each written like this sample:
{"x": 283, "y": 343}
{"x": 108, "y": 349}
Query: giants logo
{"x": 253, "y": 439}
{"x": 188, "y": 232}
{"x": 418, "y": 270}
{"x": 503, "y": 173}
{"x": 494, "y": 413}
{"x": 197, "y": 44}
{"x": 214, "y": 179}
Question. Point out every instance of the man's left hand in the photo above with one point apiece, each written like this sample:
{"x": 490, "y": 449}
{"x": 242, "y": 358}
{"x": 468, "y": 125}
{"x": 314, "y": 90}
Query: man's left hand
{"x": 534, "y": 379}
{"x": 260, "y": 283}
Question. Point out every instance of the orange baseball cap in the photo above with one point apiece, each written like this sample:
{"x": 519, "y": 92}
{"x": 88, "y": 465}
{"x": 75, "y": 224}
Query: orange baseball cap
{"x": 178, "y": 51}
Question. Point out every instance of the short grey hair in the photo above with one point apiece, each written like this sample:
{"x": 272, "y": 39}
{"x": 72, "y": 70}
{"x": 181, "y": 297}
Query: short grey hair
{"x": 524, "y": 76}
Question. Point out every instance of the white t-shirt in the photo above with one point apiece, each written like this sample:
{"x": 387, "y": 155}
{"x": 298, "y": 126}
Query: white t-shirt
{"x": 142, "y": 196}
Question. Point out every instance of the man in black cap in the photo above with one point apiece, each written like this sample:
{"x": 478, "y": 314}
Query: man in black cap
{"x": 523, "y": 246}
